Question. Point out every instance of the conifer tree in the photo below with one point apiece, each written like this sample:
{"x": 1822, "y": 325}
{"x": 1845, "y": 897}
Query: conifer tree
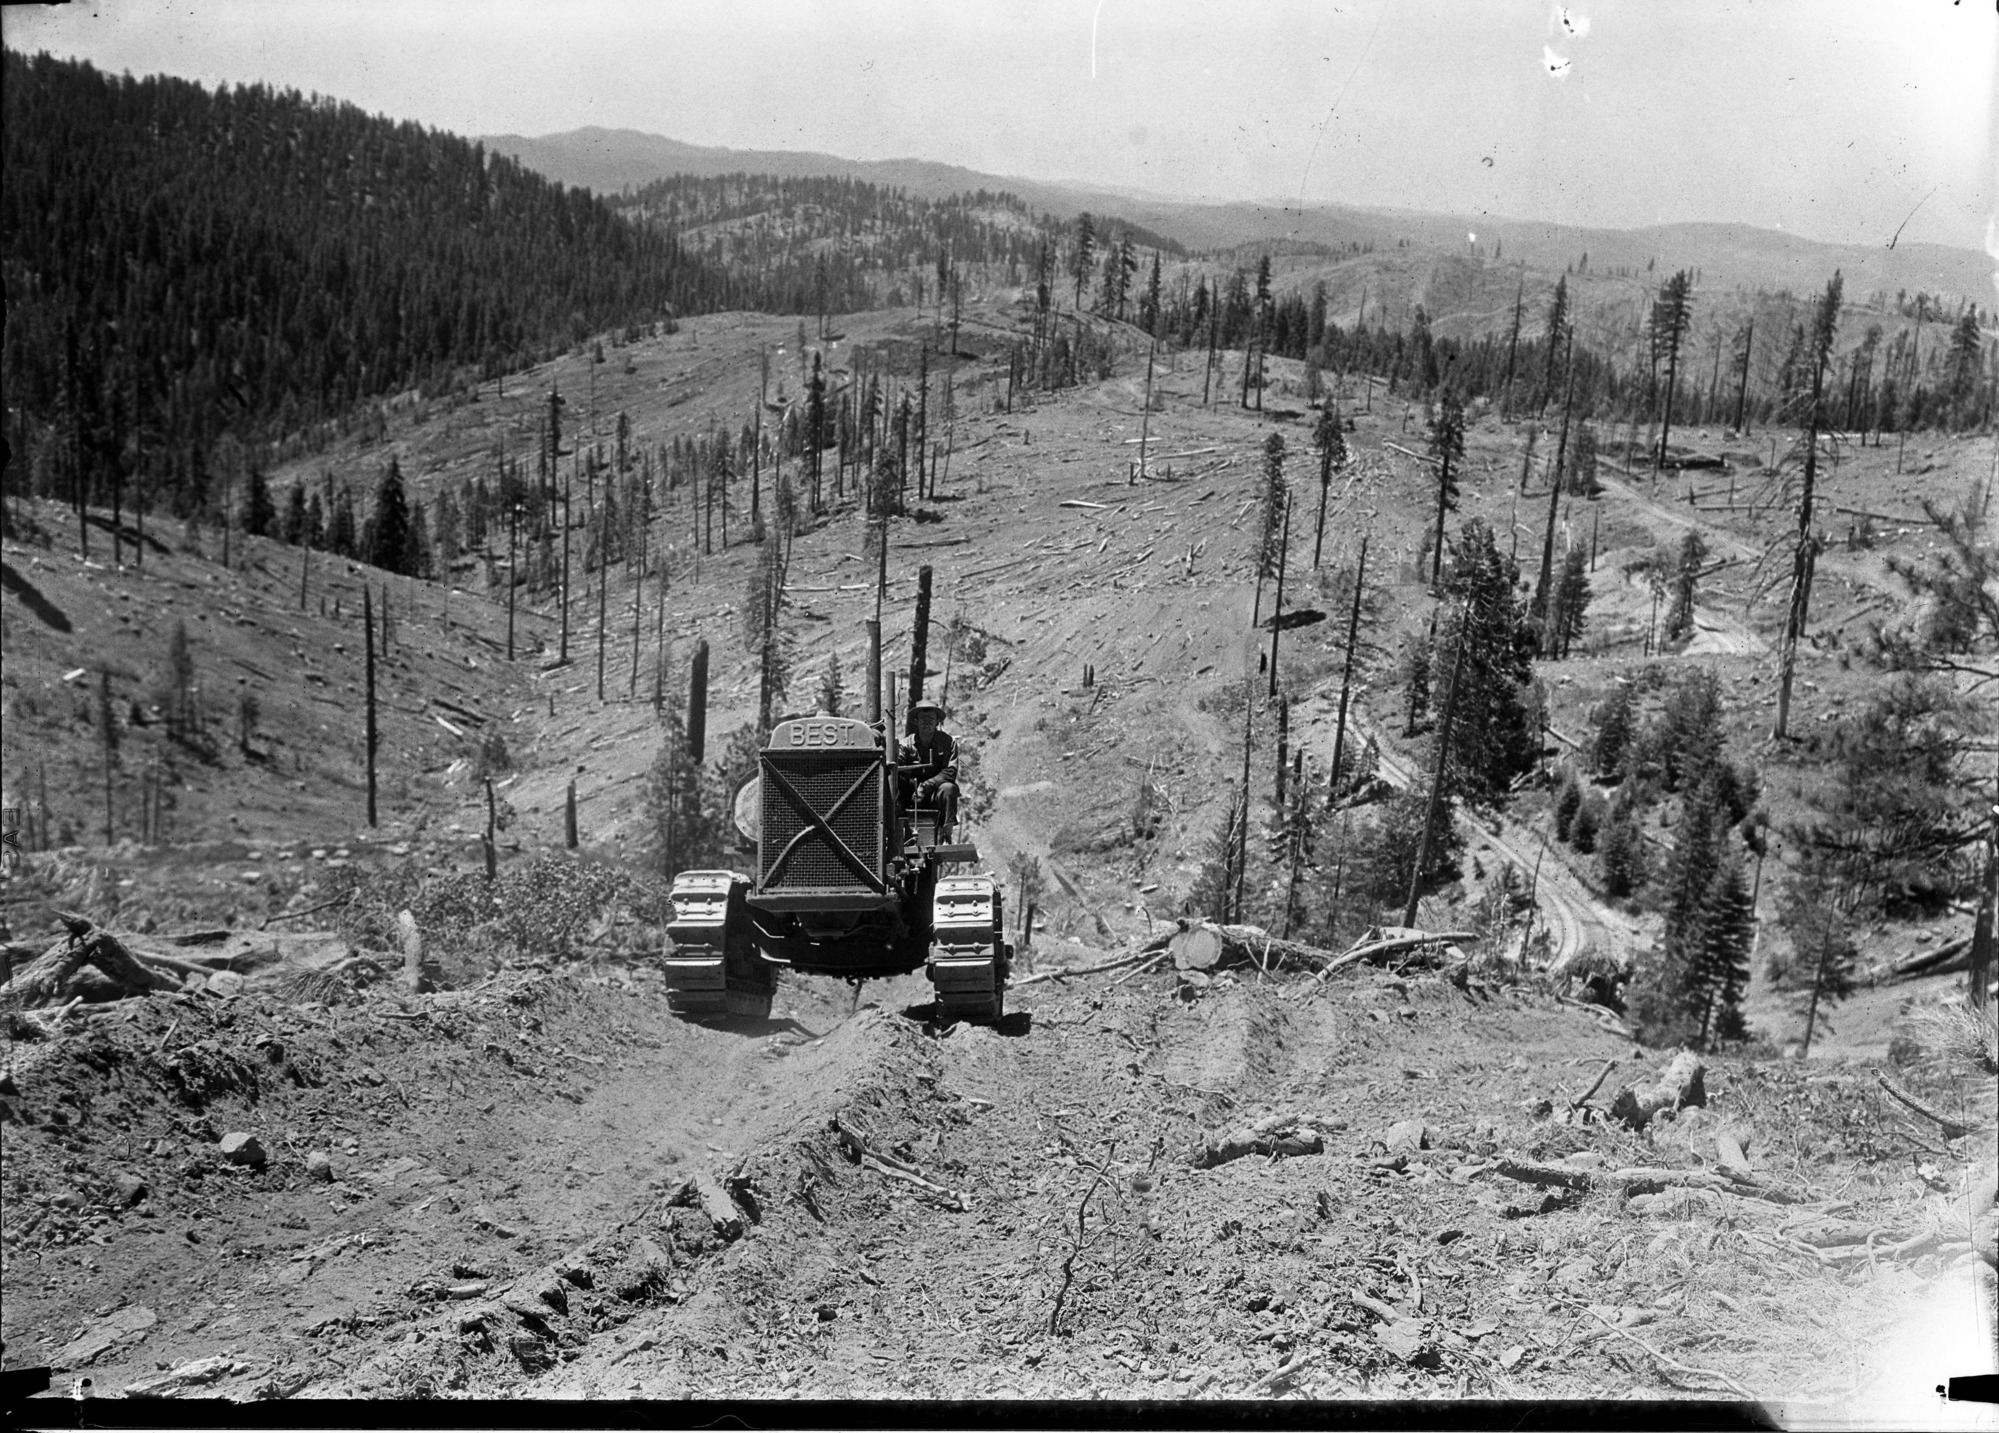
{"x": 342, "y": 536}
{"x": 1568, "y": 802}
{"x": 1728, "y": 932}
{"x": 1332, "y": 445}
{"x": 1447, "y": 445}
{"x": 1415, "y": 673}
{"x": 1270, "y": 506}
{"x": 1621, "y": 863}
{"x": 1672, "y": 313}
{"x": 1491, "y": 740}
{"x": 1084, "y": 255}
{"x": 1615, "y": 723}
{"x": 1686, "y": 579}
{"x": 1584, "y": 833}
{"x": 1668, "y": 996}
{"x": 1558, "y": 324}
{"x": 1820, "y": 968}
{"x": 292, "y": 524}
{"x": 259, "y": 512}
{"x": 1572, "y": 595}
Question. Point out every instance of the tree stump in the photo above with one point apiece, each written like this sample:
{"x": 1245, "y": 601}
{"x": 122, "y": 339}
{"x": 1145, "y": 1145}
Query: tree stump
{"x": 1680, "y": 1084}
{"x": 53, "y": 976}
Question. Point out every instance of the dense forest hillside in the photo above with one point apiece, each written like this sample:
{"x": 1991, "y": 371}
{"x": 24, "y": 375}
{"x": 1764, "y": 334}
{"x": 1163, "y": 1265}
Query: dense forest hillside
{"x": 183, "y": 264}
{"x": 837, "y": 244}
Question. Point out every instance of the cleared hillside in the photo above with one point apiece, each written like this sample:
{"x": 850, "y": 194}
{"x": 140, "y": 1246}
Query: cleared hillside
{"x": 516, "y": 1205}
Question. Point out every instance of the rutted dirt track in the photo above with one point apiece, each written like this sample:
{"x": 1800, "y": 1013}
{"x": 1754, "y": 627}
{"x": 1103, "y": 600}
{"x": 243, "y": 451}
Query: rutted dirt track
{"x": 546, "y": 1186}
{"x": 514, "y": 1210}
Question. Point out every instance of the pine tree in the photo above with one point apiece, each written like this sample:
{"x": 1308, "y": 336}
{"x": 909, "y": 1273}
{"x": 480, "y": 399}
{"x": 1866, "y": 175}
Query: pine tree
{"x": 686, "y": 830}
{"x": 259, "y": 512}
{"x": 1620, "y": 849}
{"x": 1558, "y": 324}
{"x": 1672, "y": 313}
{"x": 1447, "y": 445}
{"x": 1212, "y": 895}
{"x": 1084, "y": 255}
{"x": 1587, "y": 827}
{"x": 1687, "y": 740}
{"x": 1615, "y": 721}
{"x": 1893, "y": 823}
{"x": 1572, "y": 596}
{"x": 1332, "y": 445}
{"x": 1686, "y": 579}
{"x": 1820, "y": 968}
{"x": 1668, "y": 996}
{"x": 1568, "y": 802}
{"x": 342, "y": 538}
{"x": 292, "y": 524}
{"x": 388, "y": 531}
{"x": 1579, "y": 472}
{"x": 1492, "y": 740}
{"x": 1148, "y": 312}
{"x": 1415, "y": 673}
{"x": 1270, "y": 509}
{"x": 1967, "y": 351}
{"x": 1728, "y": 931}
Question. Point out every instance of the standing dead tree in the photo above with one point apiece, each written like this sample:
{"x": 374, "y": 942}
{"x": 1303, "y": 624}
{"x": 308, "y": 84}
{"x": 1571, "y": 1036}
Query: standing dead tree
{"x": 1825, "y": 326}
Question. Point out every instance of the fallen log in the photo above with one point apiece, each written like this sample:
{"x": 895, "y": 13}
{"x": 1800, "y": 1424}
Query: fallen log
{"x": 1606, "y": 1018}
{"x": 1680, "y": 1084}
{"x": 1389, "y": 945}
{"x": 47, "y": 978}
{"x": 1272, "y": 1136}
{"x": 1145, "y": 952}
{"x": 1952, "y": 1128}
{"x": 1947, "y": 959}
{"x": 1642, "y": 1179}
{"x": 1203, "y": 945}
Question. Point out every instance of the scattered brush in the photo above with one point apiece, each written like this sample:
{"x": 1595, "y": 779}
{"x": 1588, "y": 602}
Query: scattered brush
{"x": 1952, "y": 1039}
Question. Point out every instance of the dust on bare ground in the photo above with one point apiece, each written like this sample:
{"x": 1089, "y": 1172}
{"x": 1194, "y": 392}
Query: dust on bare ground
{"x": 1366, "y": 1186}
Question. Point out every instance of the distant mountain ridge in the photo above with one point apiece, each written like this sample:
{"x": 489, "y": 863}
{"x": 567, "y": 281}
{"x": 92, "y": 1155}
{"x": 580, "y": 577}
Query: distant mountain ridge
{"x": 1728, "y": 255}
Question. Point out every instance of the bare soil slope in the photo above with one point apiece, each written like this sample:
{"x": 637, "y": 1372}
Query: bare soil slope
{"x": 544, "y": 1185}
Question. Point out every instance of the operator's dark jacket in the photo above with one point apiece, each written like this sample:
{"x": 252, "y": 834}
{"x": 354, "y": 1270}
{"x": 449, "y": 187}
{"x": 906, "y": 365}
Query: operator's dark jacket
{"x": 938, "y": 763}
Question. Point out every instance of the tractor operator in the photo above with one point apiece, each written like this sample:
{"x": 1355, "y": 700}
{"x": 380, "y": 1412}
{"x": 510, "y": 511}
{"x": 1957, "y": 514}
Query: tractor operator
{"x": 935, "y": 756}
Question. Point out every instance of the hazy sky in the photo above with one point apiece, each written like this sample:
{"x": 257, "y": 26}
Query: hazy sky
{"x": 1838, "y": 119}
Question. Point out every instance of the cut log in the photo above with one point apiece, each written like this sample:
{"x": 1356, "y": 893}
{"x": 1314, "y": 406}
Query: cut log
{"x": 1203, "y": 945}
{"x": 1681, "y": 1084}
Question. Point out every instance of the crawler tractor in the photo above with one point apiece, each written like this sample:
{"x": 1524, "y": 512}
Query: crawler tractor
{"x": 850, "y": 883}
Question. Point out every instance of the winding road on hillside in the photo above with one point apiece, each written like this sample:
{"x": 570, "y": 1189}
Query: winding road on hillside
{"x": 1571, "y": 914}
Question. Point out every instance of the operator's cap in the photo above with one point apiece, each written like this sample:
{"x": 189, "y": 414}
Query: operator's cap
{"x": 925, "y": 705}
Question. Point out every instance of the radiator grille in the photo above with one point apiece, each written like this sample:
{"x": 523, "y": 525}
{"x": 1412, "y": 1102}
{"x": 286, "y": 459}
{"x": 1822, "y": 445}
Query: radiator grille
{"x": 822, "y": 778}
